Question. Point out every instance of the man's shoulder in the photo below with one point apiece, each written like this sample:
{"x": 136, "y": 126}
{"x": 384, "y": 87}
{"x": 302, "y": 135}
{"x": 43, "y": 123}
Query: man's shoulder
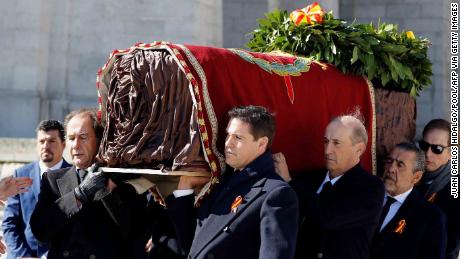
{"x": 445, "y": 200}
{"x": 422, "y": 207}
{"x": 58, "y": 173}
{"x": 358, "y": 173}
{"x": 27, "y": 168}
{"x": 65, "y": 164}
{"x": 274, "y": 182}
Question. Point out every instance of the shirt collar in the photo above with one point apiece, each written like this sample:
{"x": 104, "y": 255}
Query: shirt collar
{"x": 328, "y": 178}
{"x": 44, "y": 168}
{"x": 400, "y": 197}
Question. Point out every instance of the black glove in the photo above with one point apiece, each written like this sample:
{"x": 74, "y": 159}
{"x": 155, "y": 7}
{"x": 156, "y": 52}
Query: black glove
{"x": 93, "y": 183}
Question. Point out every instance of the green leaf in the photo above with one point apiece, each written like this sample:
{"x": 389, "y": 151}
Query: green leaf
{"x": 264, "y": 22}
{"x": 385, "y": 78}
{"x": 380, "y": 52}
{"x": 413, "y": 92}
{"x": 333, "y": 48}
{"x": 355, "y": 55}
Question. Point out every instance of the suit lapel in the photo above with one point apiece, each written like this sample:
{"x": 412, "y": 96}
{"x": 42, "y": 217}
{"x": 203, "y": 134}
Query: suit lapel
{"x": 36, "y": 178}
{"x": 65, "y": 164}
{"x": 68, "y": 181}
{"x": 403, "y": 213}
{"x": 215, "y": 224}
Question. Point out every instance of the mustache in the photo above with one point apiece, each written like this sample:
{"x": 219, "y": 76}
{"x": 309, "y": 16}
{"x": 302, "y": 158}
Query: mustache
{"x": 389, "y": 178}
{"x": 47, "y": 151}
{"x": 330, "y": 157}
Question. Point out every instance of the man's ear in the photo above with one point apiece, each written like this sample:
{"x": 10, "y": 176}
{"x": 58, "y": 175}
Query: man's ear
{"x": 360, "y": 148}
{"x": 417, "y": 177}
{"x": 263, "y": 143}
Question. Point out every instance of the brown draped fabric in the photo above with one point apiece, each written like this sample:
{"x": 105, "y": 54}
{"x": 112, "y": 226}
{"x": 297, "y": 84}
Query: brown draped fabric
{"x": 150, "y": 118}
{"x": 396, "y": 114}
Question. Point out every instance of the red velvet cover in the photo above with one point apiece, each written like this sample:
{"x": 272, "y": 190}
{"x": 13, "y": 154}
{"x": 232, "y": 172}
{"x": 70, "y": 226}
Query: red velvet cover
{"x": 304, "y": 95}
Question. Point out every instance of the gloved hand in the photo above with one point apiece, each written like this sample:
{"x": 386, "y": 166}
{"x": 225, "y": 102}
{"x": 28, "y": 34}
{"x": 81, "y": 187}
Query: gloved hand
{"x": 93, "y": 183}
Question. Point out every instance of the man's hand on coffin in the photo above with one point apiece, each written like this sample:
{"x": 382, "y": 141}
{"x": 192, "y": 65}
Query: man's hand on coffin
{"x": 149, "y": 245}
{"x": 101, "y": 193}
{"x": 281, "y": 167}
{"x": 192, "y": 182}
{"x": 94, "y": 183}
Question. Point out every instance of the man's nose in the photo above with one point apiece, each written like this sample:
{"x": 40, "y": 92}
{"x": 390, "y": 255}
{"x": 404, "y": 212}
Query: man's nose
{"x": 229, "y": 142}
{"x": 392, "y": 169}
{"x": 429, "y": 153}
{"x": 75, "y": 143}
{"x": 327, "y": 148}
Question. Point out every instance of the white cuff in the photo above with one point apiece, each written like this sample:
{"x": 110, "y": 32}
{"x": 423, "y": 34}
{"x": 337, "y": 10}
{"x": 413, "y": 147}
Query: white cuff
{"x": 180, "y": 193}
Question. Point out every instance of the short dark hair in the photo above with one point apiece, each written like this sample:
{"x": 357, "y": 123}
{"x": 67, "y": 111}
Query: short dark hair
{"x": 92, "y": 114}
{"x": 47, "y": 125}
{"x": 440, "y": 124}
{"x": 261, "y": 120}
{"x": 419, "y": 163}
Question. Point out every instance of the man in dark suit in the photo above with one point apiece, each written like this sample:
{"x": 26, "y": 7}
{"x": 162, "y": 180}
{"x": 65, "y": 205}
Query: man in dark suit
{"x": 340, "y": 206}
{"x": 83, "y": 214}
{"x": 16, "y": 228}
{"x": 252, "y": 212}
{"x": 436, "y": 182}
{"x": 410, "y": 227}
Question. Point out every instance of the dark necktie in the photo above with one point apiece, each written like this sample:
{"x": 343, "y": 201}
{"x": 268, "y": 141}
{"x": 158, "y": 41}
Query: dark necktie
{"x": 81, "y": 174}
{"x": 327, "y": 188}
{"x": 386, "y": 208}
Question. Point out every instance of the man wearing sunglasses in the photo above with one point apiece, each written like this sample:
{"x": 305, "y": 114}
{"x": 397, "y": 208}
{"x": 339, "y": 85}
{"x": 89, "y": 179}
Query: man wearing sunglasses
{"x": 435, "y": 184}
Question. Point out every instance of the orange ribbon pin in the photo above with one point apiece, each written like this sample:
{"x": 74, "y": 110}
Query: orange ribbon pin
{"x": 432, "y": 197}
{"x": 237, "y": 202}
{"x": 401, "y": 226}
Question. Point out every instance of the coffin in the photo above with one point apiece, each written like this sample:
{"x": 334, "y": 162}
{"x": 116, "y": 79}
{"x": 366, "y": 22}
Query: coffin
{"x": 164, "y": 106}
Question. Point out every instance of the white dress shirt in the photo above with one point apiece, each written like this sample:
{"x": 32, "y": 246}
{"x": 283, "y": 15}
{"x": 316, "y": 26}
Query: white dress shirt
{"x": 180, "y": 193}
{"x": 44, "y": 168}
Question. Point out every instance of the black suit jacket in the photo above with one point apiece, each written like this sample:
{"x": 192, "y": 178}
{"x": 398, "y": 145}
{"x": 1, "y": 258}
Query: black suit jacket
{"x": 342, "y": 223}
{"x": 423, "y": 237}
{"x": 110, "y": 228}
{"x": 263, "y": 226}
{"x": 451, "y": 207}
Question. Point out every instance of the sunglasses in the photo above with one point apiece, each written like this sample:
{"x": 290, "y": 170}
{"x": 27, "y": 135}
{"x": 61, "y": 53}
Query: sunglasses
{"x": 436, "y": 149}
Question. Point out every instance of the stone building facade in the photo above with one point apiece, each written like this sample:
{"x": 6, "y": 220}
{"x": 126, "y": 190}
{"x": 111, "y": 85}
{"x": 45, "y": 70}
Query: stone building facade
{"x": 52, "y": 49}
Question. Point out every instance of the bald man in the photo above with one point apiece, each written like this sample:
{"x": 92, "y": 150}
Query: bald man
{"x": 339, "y": 206}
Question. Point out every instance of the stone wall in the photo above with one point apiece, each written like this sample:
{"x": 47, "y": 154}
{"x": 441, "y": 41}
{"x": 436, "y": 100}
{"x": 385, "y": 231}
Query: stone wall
{"x": 15, "y": 153}
{"x": 52, "y": 49}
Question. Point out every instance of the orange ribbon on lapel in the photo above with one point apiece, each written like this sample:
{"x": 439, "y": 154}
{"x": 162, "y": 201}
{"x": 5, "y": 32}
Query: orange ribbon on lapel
{"x": 401, "y": 226}
{"x": 237, "y": 202}
{"x": 432, "y": 197}
{"x": 309, "y": 15}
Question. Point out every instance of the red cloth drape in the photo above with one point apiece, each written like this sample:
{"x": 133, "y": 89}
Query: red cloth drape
{"x": 304, "y": 101}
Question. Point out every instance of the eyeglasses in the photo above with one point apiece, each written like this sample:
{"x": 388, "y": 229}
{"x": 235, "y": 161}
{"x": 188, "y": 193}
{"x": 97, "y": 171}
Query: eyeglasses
{"x": 436, "y": 149}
